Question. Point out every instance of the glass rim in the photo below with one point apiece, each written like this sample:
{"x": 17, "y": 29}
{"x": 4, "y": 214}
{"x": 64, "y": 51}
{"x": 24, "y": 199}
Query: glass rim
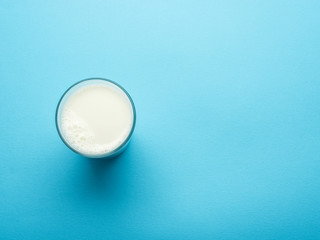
{"x": 123, "y": 144}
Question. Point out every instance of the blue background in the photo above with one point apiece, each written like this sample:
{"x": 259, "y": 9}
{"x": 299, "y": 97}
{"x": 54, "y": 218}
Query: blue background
{"x": 226, "y": 144}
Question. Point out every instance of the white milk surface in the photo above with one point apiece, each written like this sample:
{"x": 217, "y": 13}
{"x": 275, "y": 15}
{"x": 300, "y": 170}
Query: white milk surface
{"x": 96, "y": 119}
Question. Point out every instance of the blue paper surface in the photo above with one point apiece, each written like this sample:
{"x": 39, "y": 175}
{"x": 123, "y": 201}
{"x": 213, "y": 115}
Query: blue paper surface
{"x": 226, "y": 144}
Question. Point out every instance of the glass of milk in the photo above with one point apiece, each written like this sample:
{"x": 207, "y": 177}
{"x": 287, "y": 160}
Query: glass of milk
{"x": 96, "y": 118}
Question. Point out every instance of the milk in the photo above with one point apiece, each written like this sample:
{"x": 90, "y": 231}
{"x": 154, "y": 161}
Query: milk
{"x": 96, "y": 119}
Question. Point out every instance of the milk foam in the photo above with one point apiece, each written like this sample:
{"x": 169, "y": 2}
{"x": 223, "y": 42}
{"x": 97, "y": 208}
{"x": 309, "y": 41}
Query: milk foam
{"x": 96, "y": 119}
